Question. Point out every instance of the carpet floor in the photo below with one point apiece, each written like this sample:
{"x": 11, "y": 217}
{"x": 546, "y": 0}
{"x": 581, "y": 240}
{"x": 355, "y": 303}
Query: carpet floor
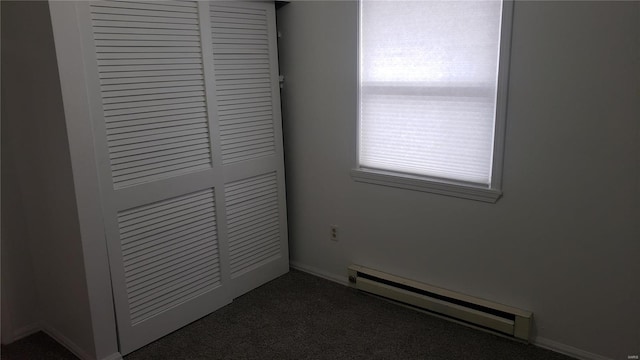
{"x": 300, "y": 316}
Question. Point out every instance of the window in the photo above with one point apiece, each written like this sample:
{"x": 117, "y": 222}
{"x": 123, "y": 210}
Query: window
{"x": 432, "y": 95}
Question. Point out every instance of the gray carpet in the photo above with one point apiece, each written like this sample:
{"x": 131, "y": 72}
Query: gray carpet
{"x": 299, "y": 316}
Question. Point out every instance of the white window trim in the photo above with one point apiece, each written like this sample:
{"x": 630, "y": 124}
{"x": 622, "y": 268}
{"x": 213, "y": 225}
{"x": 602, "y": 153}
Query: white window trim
{"x": 458, "y": 189}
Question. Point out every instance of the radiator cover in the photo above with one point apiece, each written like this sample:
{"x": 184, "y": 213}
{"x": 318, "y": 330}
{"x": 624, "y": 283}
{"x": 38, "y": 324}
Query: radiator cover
{"x": 485, "y": 314}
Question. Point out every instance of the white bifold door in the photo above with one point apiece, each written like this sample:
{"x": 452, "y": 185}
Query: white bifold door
{"x": 185, "y": 109}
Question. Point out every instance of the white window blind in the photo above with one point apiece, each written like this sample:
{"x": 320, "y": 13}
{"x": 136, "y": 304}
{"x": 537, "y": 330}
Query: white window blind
{"x": 428, "y": 83}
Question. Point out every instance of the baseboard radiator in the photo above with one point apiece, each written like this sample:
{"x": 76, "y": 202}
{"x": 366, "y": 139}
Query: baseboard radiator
{"x": 464, "y": 308}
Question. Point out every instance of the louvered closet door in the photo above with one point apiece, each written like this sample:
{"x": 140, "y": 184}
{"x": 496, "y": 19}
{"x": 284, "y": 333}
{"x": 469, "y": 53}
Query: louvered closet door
{"x": 243, "y": 45}
{"x": 185, "y": 110}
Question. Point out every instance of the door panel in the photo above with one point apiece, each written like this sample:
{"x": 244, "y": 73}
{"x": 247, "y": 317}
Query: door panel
{"x": 170, "y": 253}
{"x": 154, "y": 104}
{"x": 160, "y": 167}
{"x": 243, "y": 42}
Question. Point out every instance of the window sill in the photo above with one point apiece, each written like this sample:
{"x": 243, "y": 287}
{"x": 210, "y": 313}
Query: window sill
{"x": 404, "y": 181}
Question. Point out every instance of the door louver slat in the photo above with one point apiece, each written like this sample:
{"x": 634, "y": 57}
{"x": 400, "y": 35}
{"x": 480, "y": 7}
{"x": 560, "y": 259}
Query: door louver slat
{"x": 187, "y": 290}
{"x": 170, "y": 267}
{"x": 197, "y": 227}
{"x": 189, "y": 252}
{"x": 150, "y": 116}
{"x": 165, "y": 243}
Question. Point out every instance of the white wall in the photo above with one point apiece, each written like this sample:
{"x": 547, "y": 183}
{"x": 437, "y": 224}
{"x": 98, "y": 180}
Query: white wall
{"x": 562, "y": 242}
{"x": 18, "y": 286}
{"x": 19, "y": 309}
{"x": 36, "y": 140}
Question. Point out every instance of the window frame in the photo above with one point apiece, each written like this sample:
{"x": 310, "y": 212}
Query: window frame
{"x": 442, "y": 186}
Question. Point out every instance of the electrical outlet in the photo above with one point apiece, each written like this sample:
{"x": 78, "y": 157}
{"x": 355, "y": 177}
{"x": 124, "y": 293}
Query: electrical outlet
{"x": 333, "y": 232}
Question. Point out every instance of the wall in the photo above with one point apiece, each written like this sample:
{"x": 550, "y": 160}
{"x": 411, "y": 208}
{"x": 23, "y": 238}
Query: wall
{"x": 34, "y": 136}
{"x": 562, "y": 242}
{"x": 18, "y": 286}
